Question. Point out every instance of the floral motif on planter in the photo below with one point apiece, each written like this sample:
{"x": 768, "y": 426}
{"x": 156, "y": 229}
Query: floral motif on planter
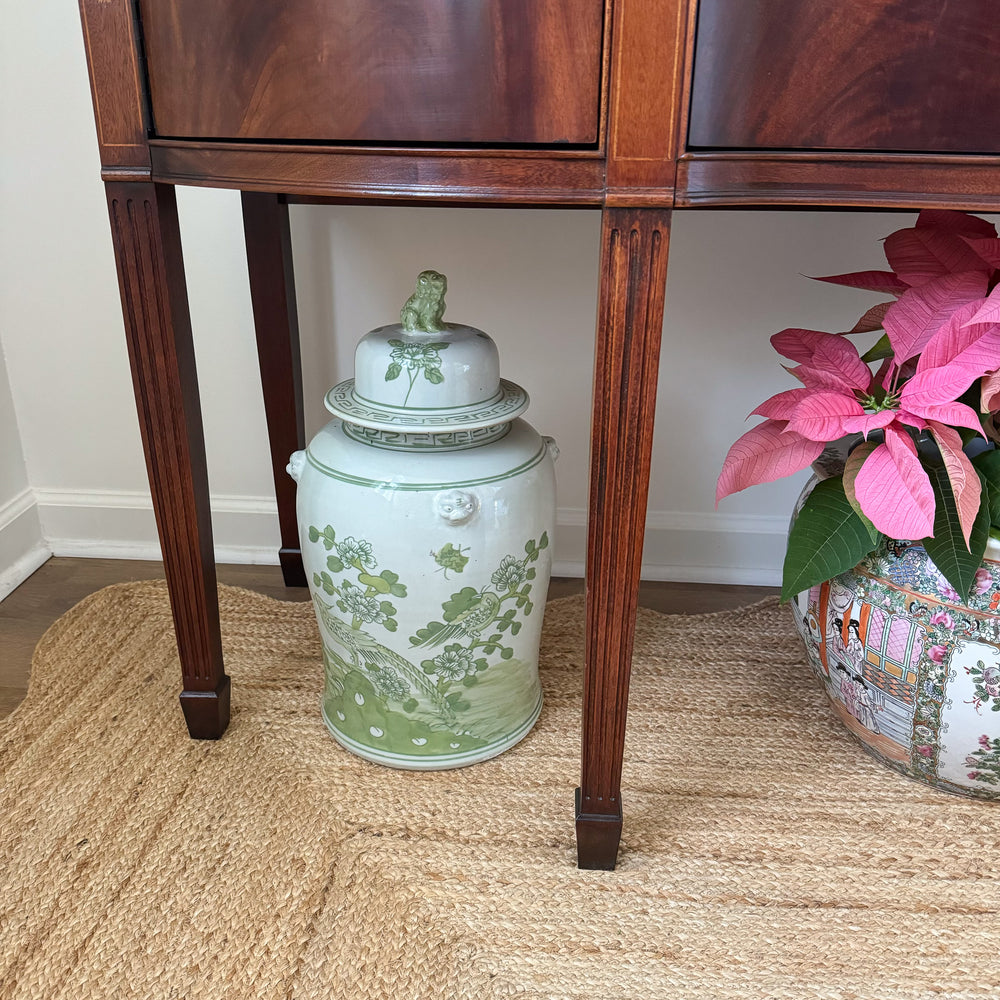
{"x": 397, "y": 704}
{"x": 912, "y": 671}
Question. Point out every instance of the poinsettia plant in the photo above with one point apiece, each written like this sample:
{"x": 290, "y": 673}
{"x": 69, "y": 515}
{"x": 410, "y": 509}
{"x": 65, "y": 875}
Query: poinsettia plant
{"x": 918, "y": 412}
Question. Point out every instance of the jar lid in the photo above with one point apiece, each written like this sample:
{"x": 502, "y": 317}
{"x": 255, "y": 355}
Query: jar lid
{"x": 423, "y": 373}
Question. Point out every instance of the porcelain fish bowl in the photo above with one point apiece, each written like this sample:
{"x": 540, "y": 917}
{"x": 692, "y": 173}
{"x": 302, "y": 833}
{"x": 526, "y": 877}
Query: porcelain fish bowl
{"x": 910, "y": 668}
{"x": 426, "y": 512}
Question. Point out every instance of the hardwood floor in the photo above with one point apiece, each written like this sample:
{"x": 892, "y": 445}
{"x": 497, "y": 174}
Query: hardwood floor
{"x": 61, "y": 582}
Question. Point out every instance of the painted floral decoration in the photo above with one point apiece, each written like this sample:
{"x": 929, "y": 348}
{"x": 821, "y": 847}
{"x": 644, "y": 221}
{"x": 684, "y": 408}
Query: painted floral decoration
{"x": 921, "y": 405}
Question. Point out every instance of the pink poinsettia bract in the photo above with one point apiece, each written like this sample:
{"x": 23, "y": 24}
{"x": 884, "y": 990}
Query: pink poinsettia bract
{"x": 942, "y": 335}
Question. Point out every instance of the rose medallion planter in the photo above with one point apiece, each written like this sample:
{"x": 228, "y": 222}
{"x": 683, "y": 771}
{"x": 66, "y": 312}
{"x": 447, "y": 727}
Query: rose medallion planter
{"x": 911, "y": 670}
{"x": 425, "y": 509}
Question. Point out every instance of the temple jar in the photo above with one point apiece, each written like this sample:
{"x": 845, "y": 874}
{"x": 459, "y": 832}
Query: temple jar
{"x": 426, "y": 509}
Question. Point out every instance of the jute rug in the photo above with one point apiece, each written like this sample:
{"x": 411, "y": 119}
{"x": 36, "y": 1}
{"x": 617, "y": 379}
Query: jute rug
{"x": 764, "y": 854}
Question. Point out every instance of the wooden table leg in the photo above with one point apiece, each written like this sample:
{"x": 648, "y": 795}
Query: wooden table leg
{"x": 158, "y": 329}
{"x": 272, "y": 291}
{"x": 630, "y": 319}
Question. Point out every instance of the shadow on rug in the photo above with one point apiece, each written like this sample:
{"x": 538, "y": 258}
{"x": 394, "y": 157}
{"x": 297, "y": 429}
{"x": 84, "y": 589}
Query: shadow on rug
{"x": 764, "y": 854}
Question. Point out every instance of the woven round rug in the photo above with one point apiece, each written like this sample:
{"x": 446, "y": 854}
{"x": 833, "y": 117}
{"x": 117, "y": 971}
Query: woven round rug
{"x": 764, "y": 854}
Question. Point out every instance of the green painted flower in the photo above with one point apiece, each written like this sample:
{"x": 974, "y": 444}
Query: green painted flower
{"x": 509, "y": 575}
{"x": 415, "y": 358}
{"x": 388, "y": 682}
{"x": 356, "y": 551}
{"x": 360, "y": 606}
{"x": 454, "y": 663}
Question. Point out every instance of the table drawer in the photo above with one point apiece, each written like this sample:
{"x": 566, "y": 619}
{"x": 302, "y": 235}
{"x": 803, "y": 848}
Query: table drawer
{"x": 423, "y": 71}
{"x": 903, "y": 75}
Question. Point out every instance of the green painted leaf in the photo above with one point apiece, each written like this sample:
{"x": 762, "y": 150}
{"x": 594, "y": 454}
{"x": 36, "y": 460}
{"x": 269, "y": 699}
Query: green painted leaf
{"x": 423, "y": 634}
{"x": 395, "y": 343}
{"x": 459, "y": 602}
{"x": 543, "y": 542}
{"x": 377, "y": 583}
{"x": 393, "y": 372}
{"x": 988, "y": 466}
{"x": 506, "y": 653}
{"x": 410, "y": 704}
{"x": 313, "y": 533}
{"x": 515, "y": 628}
{"x": 386, "y": 607}
{"x": 531, "y": 573}
{"x": 391, "y": 624}
{"x": 827, "y": 539}
{"x": 947, "y": 547}
{"x": 335, "y": 564}
{"x": 433, "y": 375}
{"x": 397, "y": 590}
{"x": 470, "y": 680}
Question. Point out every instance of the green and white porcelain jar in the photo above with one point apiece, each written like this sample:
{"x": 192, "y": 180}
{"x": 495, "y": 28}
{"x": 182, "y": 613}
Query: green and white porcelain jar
{"x": 426, "y": 509}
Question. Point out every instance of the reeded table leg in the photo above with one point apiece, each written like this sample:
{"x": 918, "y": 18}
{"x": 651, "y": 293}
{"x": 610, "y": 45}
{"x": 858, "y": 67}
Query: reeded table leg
{"x": 158, "y": 329}
{"x": 272, "y": 291}
{"x": 630, "y": 319}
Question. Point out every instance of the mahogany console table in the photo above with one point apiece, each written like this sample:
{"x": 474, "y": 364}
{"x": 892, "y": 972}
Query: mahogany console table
{"x": 632, "y": 107}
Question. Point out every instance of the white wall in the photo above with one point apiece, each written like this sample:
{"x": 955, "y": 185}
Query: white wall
{"x": 528, "y": 277}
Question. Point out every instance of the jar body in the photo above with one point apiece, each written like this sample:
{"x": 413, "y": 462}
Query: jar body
{"x": 428, "y": 571}
{"x": 911, "y": 670}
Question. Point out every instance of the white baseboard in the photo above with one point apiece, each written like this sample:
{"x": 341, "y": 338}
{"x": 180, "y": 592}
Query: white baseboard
{"x": 119, "y": 524}
{"x": 679, "y": 546}
{"x": 22, "y": 548}
{"x": 686, "y": 547}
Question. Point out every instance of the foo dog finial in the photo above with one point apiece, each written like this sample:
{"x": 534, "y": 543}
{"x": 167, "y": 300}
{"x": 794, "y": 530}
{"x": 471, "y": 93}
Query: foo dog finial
{"x": 425, "y": 307}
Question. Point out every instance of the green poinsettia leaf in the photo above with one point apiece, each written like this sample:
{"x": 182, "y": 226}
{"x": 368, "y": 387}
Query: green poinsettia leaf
{"x": 947, "y": 549}
{"x": 393, "y": 372}
{"x": 828, "y": 538}
{"x": 433, "y": 375}
{"x": 879, "y": 350}
{"x": 988, "y": 466}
